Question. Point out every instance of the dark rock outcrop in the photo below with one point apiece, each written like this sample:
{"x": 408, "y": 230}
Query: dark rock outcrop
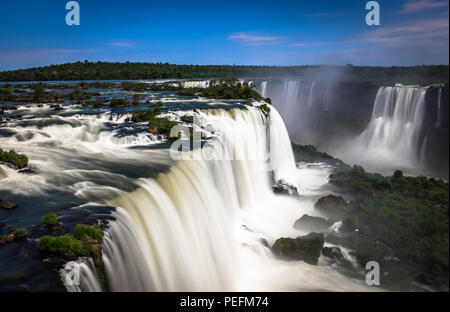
{"x": 311, "y": 224}
{"x": 333, "y": 253}
{"x": 333, "y": 207}
{"x": 306, "y": 248}
{"x": 8, "y": 205}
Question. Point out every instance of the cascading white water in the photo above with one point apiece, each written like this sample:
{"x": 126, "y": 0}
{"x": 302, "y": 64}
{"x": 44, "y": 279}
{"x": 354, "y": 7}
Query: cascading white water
{"x": 438, "y": 117}
{"x": 311, "y": 95}
{"x": 392, "y": 136}
{"x": 264, "y": 89}
{"x": 423, "y": 150}
{"x": 198, "y": 227}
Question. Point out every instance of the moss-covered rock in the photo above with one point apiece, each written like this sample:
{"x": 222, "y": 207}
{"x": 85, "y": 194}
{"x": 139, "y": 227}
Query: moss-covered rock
{"x": 306, "y": 248}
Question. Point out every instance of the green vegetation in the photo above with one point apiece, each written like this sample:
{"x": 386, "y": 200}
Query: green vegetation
{"x": 142, "y": 115}
{"x": 161, "y": 125}
{"x": 11, "y": 157}
{"x": 87, "y": 233}
{"x": 50, "y": 219}
{"x": 405, "y": 215}
{"x": 83, "y": 243}
{"x": 20, "y": 233}
{"x": 110, "y": 71}
{"x": 309, "y": 153}
{"x": 156, "y": 125}
{"x": 224, "y": 89}
{"x": 266, "y": 109}
{"x": 64, "y": 245}
{"x": 117, "y": 103}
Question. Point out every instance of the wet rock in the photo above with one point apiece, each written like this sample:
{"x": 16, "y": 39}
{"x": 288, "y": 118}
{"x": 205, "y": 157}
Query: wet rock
{"x": 187, "y": 119}
{"x": 153, "y": 129}
{"x": 306, "y": 248}
{"x": 333, "y": 207}
{"x": 27, "y": 171}
{"x": 56, "y": 107}
{"x": 282, "y": 187}
{"x": 8, "y": 205}
{"x": 311, "y": 224}
{"x": 264, "y": 242}
{"x": 5, "y": 239}
{"x": 332, "y": 253}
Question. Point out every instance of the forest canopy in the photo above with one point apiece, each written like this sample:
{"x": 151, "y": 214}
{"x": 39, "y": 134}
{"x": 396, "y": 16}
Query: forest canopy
{"x": 423, "y": 74}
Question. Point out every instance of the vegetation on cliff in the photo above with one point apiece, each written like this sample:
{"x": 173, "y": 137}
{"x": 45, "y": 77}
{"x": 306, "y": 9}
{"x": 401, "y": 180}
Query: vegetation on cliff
{"x": 407, "y": 217}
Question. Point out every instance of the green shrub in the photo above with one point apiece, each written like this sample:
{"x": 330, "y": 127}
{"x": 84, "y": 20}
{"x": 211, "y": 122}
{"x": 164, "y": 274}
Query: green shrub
{"x": 85, "y": 233}
{"x": 114, "y": 103}
{"x": 265, "y": 108}
{"x": 64, "y": 245}
{"x": 19, "y": 160}
{"x": 50, "y": 219}
{"x": 20, "y": 233}
{"x": 141, "y": 115}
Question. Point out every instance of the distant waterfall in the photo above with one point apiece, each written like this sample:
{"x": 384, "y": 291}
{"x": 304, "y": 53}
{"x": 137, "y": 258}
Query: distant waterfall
{"x": 264, "y": 89}
{"x": 394, "y": 131}
{"x": 311, "y": 95}
{"x": 438, "y": 117}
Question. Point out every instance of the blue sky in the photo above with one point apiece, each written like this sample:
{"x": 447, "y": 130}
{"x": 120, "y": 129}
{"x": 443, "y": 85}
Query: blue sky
{"x": 34, "y": 33}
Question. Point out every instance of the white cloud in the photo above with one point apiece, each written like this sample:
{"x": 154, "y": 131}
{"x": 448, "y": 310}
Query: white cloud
{"x": 431, "y": 32}
{"x": 421, "y": 5}
{"x": 253, "y": 40}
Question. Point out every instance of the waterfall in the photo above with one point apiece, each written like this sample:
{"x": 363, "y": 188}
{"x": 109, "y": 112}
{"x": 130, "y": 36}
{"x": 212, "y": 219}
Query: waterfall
{"x": 264, "y": 89}
{"x": 423, "y": 150}
{"x": 393, "y": 133}
{"x": 174, "y": 232}
{"x": 311, "y": 95}
{"x": 200, "y": 225}
{"x": 438, "y": 118}
{"x": 326, "y": 101}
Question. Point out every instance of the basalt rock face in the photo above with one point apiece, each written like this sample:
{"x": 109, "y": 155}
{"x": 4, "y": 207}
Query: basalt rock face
{"x": 306, "y": 248}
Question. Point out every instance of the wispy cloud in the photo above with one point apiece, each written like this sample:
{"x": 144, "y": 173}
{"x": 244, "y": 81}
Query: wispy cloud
{"x": 432, "y": 32}
{"x": 314, "y": 43}
{"x": 421, "y": 5}
{"x": 121, "y": 44}
{"x": 253, "y": 40}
